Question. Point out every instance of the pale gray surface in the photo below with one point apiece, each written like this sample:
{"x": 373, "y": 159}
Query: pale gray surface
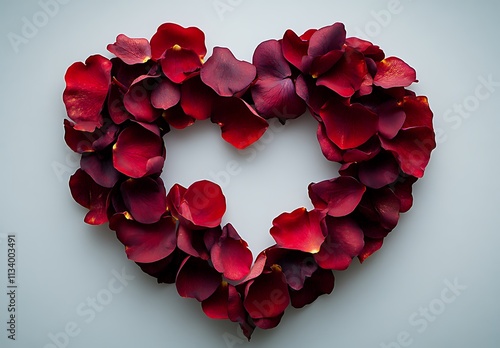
{"x": 450, "y": 234}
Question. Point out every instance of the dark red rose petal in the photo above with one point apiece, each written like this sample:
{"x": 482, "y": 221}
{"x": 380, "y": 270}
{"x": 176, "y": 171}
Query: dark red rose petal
{"x": 165, "y": 270}
{"x": 393, "y": 72}
{"x": 299, "y": 230}
{"x": 371, "y": 246}
{"x": 338, "y": 197}
{"x": 215, "y": 307}
{"x": 138, "y": 152}
{"x": 345, "y": 241}
{"x": 179, "y": 63}
{"x": 77, "y": 141}
{"x": 327, "y": 39}
{"x": 418, "y": 113}
{"x": 100, "y": 168}
{"x": 268, "y": 323}
{"x": 145, "y": 199}
{"x": 86, "y": 90}
{"x": 403, "y": 190}
{"x": 412, "y": 149}
{"x": 348, "y": 126}
{"x": 329, "y": 149}
{"x": 137, "y": 100}
{"x": 91, "y": 196}
{"x": 391, "y": 117}
{"x": 225, "y": 74}
{"x": 296, "y": 265}
{"x": 267, "y": 296}
{"x": 295, "y": 51}
{"x": 116, "y": 108}
{"x": 170, "y": 34}
{"x": 165, "y": 95}
{"x": 379, "y": 171}
{"x": 131, "y": 51}
{"x": 196, "y": 279}
{"x": 367, "y": 48}
{"x": 145, "y": 243}
{"x": 241, "y": 126}
{"x": 197, "y": 99}
{"x": 320, "y": 283}
{"x": 176, "y": 117}
{"x": 192, "y": 242}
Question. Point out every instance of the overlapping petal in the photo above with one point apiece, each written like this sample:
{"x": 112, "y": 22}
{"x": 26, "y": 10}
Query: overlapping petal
{"x": 197, "y": 279}
{"x": 144, "y": 198}
{"x": 394, "y": 72}
{"x": 130, "y": 50}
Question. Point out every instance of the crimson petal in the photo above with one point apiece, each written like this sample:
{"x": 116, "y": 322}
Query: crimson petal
{"x": 327, "y": 39}
{"x": 371, "y": 246}
{"x": 240, "y": 125}
{"x": 77, "y": 141}
{"x": 197, "y": 98}
{"x": 320, "y": 283}
{"x": 299, "y": 230}
{"x": 131, "y": 51}
{"x": 179, "y": 63}
{"x": 100, "y": 168}
{"x": 215, "y": 307}
{"x": 170, "y": 34}
{"x": 165, "y": 95}
{"x": 393, "y": 72}
{"x": 418, "y": 113}
{"x": 345, "y": 241}
{"x": 295, "y": 51}
{"x": 328, "y": 147}
{"x": 145, "y": 243}
{"x": 137, "y": 100}
{"x": 391, "y": 117}
{"x": 86, "y": 90}
{"x": 165, "y": 270}
{"x": 196, "y": 279}
{"x": 145, "y": 199}
{"x": 379, "y": 171}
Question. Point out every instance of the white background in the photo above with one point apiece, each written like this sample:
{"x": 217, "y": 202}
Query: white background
{"x": 451, "y": 234}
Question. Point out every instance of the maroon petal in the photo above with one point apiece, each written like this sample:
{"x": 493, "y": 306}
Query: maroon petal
{"x": 346, "y": 77}
{"x": 231, "y": 255}
{"x": 338, "y": 197}
{"x": 345, "y": 241}
{"x": 412, "y": 149}
{"x": 267, "y": 296}
{"x": 366, "y": 47}
{"x": 364, "y": 152}
{"x": 86, "y": 90}
{"x": 328, "y": 147}
{"x": 215, "y": 307}
{"x": 177, "y": 118}
{"x": 197, "y": 99}
{"x": 371, "y": 246}
{"x": 116, "y": 108}
{"x": 379, "y": 171}
{"x": 327, "y": 39}
{"x": 320, "y": 283}
{"x": 169, "y": 35}
{"x": 91, "y": 196}
{"x": 137, "y": 100}
{"x": 274, "y": 91}
{"x": 131, "y": 51}
{"x": 174, "y": 199}
{"x": 296, "y": 265}
{"x": 145, "y": 199}
{"x": 295, "y": 51}
{"x": 225, "y": 74}
{"x": 178, "y": 63}
{"x": 393, "y": 72}
{"x": 165, "y": 270}
{"x": 145, "y": 243}
{"x": 268, "y": 323}
{"x": 348, "y": 126}
{"x": 165, "y": 95}
{"x": 138, "y": 152}
{"x": 391, "y": 117}
{"x": 241, "y": 126}
{"x": 196, "y": 279}
{"x": 203, "y": 204}
{"x": 403, "y": 190}
{"x": 299, "y": 230}
{"x": 100, "y": 168}
{"x": 77, "y": 141}
{"x": 192, "y": 242}
{"x": 418, "y": 113}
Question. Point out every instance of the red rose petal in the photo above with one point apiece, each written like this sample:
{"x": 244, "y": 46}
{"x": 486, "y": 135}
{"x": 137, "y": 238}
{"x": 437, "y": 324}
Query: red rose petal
{"x": 170, "y": 34}
{"x": 165, "y": 270}
{"x": 165, "y": 95}
{"x": 267, "y": 296}
{"x": 412, "y": 149}
{"x": 391, "y": 117}
{"x": 299, "y": 230}
{"x": 418, "y": 113}
{"x": 403, "y": 190}
{"x": 197, "y": 98}
{"x": 100, "y": 168}
{"x": 295, "y": 51}
{"x": 77, "y": 141}
{"x": 348, "y": 126}
{"x": 116, "y": 108}
{"x": 240, "y": 125}
{"x": 366, "y": 47}
{"x": 327, "y": 39}
{"x": 137, "y": 100}
{"x": 86, "y": 91}
{"x": 196, "y": 279}
{"x": 320, "y": 283}
{"x": 225, "y": 74}
{"x": 131, "y": 51}
{"x": 379, "y": 171}
{"x": 393, "y": 72}
{"x": 138, "y": 152}
{"x": 268, "y": 323}
{"x": 176, "y": 117}
{"x": 329, "y": 149}
{"x": 371, "y": 246}
{"x": 338, "y": 197}
{"x": 145, "y": 199}
{"x": 179, "y": 63}
{"x": 192, "y": 242}
{"x": 215, "y": 307}
{"x": 296, "y": 265}
{"x": 146, "y": 243}
{"x": 345, "y": 241}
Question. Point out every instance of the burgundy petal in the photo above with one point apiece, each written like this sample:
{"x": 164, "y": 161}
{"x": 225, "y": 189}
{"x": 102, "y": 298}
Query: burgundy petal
{"x": 91, "y": 196}
{"x": 299, "y": 230}
{"x": 371, "y": 246}
{"x": 137, "y": 100}
{"x": 145, "y": 243}
{"x": 391, "y": 117}
{"x": 328, "y": 147}
{"x": 241, "y": 126}
{"x": 131, "y": 51}
{"x": 196, "y": 279}
{"x": 169, "y": 35}
{"x": 86, "y": 90}
{"x": 418, "y": 113}
{"x": 366, "y": 47}
{"x": 225, "y": 74}
{"x": 197, "y": 98}
{"x": 192, "y": 242}
{"x": 403, "y": 190}
{"x": 345, "y": 241}
{"x": 116, "y": 108}
{"x": 138, "y": 152}
{"x": 295, "y": 50}
{"x": 268, "y": 323}
{"x": 379, "y": 171}
{"x": 320, "y": 283}
{"x": 165, "y": 95}
{"x": 267, "y": 296}
{"x": 338, "y": 197}
{"x": 100, "y": 167}
{"x": 393, "y": 72}
{"x": 145, "y": 199}
{"x": 327, "y": 39}
{"x": 348, "y": 126}
{"x": 179, "y": 63}
{"x": 296, "y": 265}
{"x": 215, "y": 307}
{"x": 165, "y": 270}
{"x": 77, "y": 141}
{"x": 412, "y": 149}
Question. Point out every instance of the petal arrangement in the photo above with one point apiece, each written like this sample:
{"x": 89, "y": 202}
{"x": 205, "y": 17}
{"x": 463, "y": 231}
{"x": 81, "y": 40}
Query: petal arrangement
{"x": 119, "y": 109}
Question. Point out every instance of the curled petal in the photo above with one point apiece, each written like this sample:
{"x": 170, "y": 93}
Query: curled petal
{"x": 137, "y": 100}
{"x": 268, "y": 323}
{"x": 299, "y": 230}
{"x": 345, "y": 241}
{"x": 371, "y": 246}
{"x": 145, "y": 199}
{"x": 86, "y": 90}
{"x": 328, "y": 147}
{"x": 295, "y": 51}
{"x": 418, "y": 113}
{"x": 367, "y": 48}
{"x": 225, "y": 74}
{"x": 379, "y": 171}
{"x": 327, "y": 39}
{"x": 393, "y": 72}
{"x": 165, "y": 95}
{"x": 131, "y": 51}
{"x": 117, "y": 110}
{"x": 391, "y": 117}
{"x": 215, "y": 307}
{"x": 138, "y": 152}
{"x": 179, "y": 63}
{"x": 196, "y": 279}
{"x": 338, "y": 197}
{"x": 177, "y": 118}
{"x": 165, "y": 270}
{"x": 197, "y": 98}
{"x": 169, "y": 35}
{"x": 296, "y": 265}
{"x": 320, "y": 283}
{"x": 145, "y": 243}
{"x": 77, "y": 141}
{"x": 240, "y": 125}
{"x": 100, "y": 168}
{"x": 403, "y": 190}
